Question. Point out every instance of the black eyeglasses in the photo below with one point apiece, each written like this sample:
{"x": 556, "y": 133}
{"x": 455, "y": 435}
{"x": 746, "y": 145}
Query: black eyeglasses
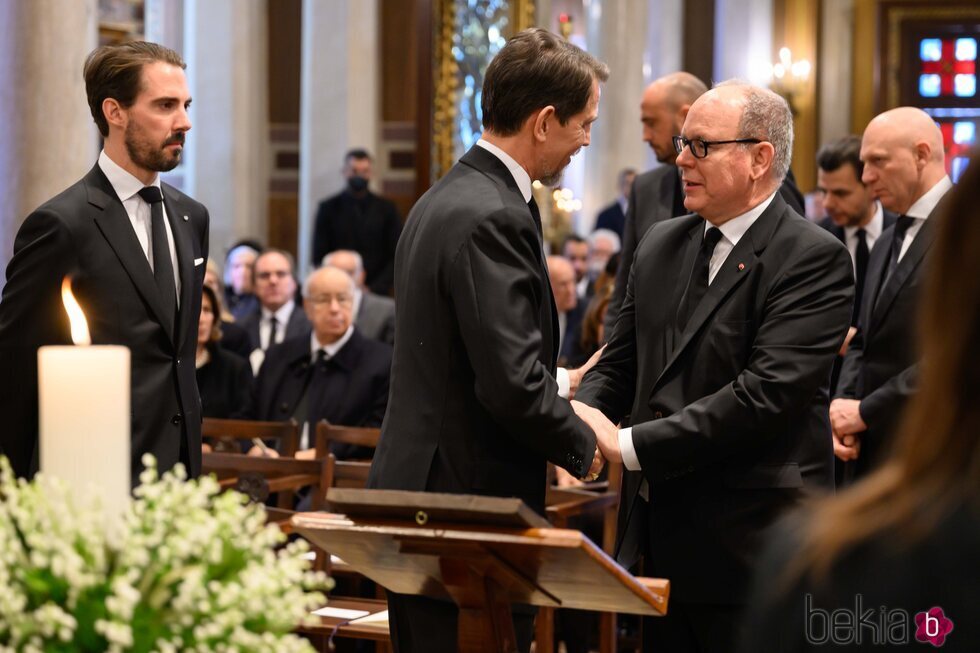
{"x": 699, "y": 146}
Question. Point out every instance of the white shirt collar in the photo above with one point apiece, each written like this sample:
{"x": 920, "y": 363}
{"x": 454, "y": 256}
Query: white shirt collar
{"x": 124, "y": 183}
{"x": 520, "y": 174}
{"x": 734, "y": 229}
{"x": 282, "y": 315}
{"x": 874, "y": 226}
{"x": 333, "y": 347}
{"x": 925, "y": 204}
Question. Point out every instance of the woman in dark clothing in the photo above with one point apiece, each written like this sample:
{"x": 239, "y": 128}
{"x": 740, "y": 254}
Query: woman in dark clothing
{"x": 224, "y": 379}
{"x": 893, "y": 561}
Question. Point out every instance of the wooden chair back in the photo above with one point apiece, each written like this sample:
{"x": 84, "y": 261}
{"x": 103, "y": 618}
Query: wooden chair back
{"x": 360, "y": 436}
{"x": 237, "y": 430}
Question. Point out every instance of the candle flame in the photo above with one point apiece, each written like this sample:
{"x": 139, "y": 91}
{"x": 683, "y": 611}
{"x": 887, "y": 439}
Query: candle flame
{"x": 79, "y": 327}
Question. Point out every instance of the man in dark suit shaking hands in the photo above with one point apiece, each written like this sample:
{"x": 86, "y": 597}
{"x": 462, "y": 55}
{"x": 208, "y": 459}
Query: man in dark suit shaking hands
{"x": 722, "y": 355}
{"x": 135, "y": 248}
{"x": 474, "y": 405}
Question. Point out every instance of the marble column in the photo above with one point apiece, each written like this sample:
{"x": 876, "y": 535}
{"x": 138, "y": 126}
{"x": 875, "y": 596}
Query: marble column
{"x": 743, "y": 39}
{"x": 340, "y": 96}
{"x": 49, "y": 137}
{"x": 834, "y": 70}
{"x": 226, "y": 164}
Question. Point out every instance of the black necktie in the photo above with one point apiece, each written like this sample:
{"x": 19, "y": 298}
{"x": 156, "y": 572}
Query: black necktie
{"x": 273, "y": 330}
{"x": 901, "y": 227}
{"x": 163, "y": 268}
{"x": 536, "y": 214}
{"x": 860, "y": 270}
{"x": 697, "y": 287}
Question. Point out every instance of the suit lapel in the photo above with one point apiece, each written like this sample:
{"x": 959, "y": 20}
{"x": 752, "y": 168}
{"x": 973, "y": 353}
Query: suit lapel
{"x": 113, "y": 221}
{"x": 689, "y": 258}
{"x": 487, "y": 163}
{"x": 185, "y": 261}
{"x": 737, "y": 266}
{"x": 912, "y": 259}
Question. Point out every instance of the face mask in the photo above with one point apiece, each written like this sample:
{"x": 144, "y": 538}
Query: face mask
{"x": 357, "y": 184}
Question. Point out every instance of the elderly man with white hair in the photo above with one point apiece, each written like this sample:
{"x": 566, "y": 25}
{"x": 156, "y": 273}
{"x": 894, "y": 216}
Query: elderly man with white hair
{"x": 721, "y": 355}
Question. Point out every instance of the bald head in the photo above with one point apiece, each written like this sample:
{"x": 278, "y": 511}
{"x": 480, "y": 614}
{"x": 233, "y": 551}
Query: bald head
{"x": 328, "y": 299}
{"x": 349, "y": 261}
{"x": 663, "y": 109}
{"x": 562, "y": 276}
{"x": 902, "y": 151}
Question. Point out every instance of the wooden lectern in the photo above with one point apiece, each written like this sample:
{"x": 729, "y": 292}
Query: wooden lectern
{"x": 483, "y": 553}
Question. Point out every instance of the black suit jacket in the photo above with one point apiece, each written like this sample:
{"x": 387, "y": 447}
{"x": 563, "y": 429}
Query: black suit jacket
{"x": 85, "y": 232}
{"x": 612, "y": 218}
{"x": 350, "y": 389}
{"x": 298, "y": 325}
{"x": 369, "y": 226}
{"x": 653, "y": 199}
{"x": 880, "y": 367}
{"x": 729, "y": 415}
{"x": 888, "y": 219}
{"x": 225, "y": 384}
{"x": 474, "y": 406}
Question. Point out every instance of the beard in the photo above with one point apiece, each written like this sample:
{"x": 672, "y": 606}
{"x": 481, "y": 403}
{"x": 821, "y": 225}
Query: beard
{"x": 148, "y": 156}
{"x": 552, "y": 179}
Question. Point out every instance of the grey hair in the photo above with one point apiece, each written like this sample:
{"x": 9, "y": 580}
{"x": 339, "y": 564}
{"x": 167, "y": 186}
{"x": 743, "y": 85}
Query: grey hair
{"x": 766, "y": 116}
{"x": 358, "y": 260}
{"x": 609, "y": 235}
{"x": 308, "y": 281}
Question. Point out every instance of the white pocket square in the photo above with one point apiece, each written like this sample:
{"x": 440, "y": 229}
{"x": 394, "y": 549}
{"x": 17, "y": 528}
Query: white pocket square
{"x": 198, "y": 261}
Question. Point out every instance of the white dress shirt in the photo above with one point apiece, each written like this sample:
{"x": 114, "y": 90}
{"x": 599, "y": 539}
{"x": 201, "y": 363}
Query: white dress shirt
{"x": 872, "y": 231}
{"x": 523, "y": 180}
{"x": 921, "y": 209}
{"x": 127, "y": 189}
{"x": 731, "y": 232}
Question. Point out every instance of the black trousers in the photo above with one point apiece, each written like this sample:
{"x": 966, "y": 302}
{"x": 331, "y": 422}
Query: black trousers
{"x": 423, "y": 625}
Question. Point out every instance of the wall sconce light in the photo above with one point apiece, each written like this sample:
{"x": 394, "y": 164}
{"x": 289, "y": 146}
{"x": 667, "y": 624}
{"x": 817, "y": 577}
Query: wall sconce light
{"x": 788, "y": 77}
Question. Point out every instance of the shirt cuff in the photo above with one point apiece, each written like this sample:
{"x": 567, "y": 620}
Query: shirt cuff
{"x": 630, "y": 461}
{"x": 564, "y": 385}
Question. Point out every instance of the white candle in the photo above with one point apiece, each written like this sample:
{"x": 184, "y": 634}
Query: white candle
{"x": 84, "y": 420}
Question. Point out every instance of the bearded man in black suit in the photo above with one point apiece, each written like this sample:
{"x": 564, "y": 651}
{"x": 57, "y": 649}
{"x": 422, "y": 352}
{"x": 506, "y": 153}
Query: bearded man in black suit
{"x": 475, "y": 406}
{"x": 135, "y": 249}
{"x": 722, "y": 355}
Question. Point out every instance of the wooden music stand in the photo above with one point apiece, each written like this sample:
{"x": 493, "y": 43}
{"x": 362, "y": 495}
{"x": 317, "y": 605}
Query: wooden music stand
{"x": 483, "y": 553}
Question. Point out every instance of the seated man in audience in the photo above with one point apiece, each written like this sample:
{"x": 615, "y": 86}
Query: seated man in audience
{"x": 374, "y": 315}
{"x": 603, "y": 243}
{"x": 570, "y": 309}
{"x": 332, "y": 373}
{"x": 274, "y": 278}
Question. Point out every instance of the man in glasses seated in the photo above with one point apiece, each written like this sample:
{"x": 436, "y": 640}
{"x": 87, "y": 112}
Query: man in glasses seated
{"x": 722, "y": 355}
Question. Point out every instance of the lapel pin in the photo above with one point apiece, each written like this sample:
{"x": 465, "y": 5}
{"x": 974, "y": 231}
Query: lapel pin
{"x": 186, "y": 218}
{"x": 741, "y": 266}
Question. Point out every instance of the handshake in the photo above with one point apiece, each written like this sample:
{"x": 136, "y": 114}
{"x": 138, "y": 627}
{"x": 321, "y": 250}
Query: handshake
{"x": 606, "y": 436}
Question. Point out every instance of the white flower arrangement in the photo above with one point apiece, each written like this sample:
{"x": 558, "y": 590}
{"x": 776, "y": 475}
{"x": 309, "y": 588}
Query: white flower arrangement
{"x": 187, "y": 568}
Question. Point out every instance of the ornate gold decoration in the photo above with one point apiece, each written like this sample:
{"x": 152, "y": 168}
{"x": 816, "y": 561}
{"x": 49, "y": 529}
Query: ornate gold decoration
{"x": 447, "y": 83}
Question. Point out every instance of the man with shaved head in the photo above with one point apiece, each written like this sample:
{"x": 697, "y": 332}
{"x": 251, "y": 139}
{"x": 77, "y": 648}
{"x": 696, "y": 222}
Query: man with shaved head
{"x": 904, "y": 167}
{"x": 721, "y": 355}
{"x": 657, "y": 195}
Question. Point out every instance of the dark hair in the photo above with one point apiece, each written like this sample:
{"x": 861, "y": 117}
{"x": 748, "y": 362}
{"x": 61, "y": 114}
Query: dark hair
{"x": 274, "y": 250}
{"x": 216, "y": 310}
{"x": 116, "y": 71}
{"x": 838, "y": 153}
{"x": 533, "y": 70}
{"x": 571, "y": 238}
{"x": 356, "y": 153}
